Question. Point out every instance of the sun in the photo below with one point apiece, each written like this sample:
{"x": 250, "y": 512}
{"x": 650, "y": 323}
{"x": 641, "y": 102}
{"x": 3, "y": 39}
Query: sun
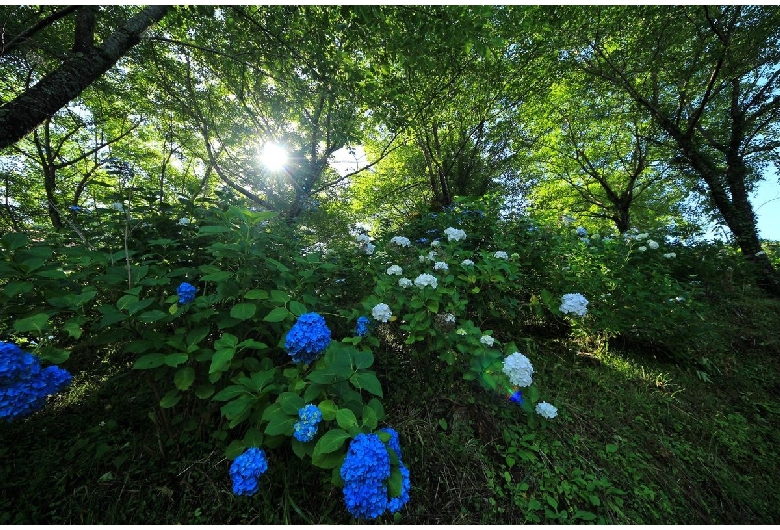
{"x": 273, "y": 156}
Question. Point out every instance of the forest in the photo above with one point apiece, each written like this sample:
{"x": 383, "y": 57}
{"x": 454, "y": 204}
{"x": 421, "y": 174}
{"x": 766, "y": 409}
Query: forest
{"x": 401, "y": 264}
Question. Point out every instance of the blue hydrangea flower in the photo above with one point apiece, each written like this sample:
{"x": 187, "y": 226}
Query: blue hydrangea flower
{"x": 517, "y": 397}
{"x": 305, "y": 429}
{"x": 581, "y": 231}
{"x": 246, "y": 470}
{"x": 24, "y": 385}
{"x": 396, "y": 503}
{"x": 363, "y": 326}
{"x": 186, "y": 293}
{"x": 75, "y": 208}
{"x": 308, "y": 338}
{"x": 365, "y": 472}
{"x": 394, "y": 442}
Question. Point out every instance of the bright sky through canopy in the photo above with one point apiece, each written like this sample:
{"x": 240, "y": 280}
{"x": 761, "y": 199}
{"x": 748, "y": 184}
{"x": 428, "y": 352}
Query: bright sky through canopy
{"x": 273, "y": 156}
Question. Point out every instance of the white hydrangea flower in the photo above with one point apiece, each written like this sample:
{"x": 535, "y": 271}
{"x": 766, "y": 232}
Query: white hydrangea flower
{"x": 395, "y": 270}
{"x": 184, "y": 221}
{"x": 448, "y": 317}
{"x": 401, "y": 241}
{"x": 118, "y": 206}
{"x": 466, "y": 263}
{"x": 641, "y": 249}
{"x": 381, "y": 312}
{"x": 432, "y": 256}
{"x": 501, "y": 254}
{"x": 487, "y": 340}
{"x": 545, "y": 410}
{"x": 519, "y": 369}
{"x": 670, "y": 255}
{"x": 652, "y": 245}
{"x": 435, "y": 243}
{"x": 424, "y": 280}
{"x": 574, "y": 303}
{"x": 422, "y": 259}
{"x": 440, "y": 266}
{"x": 363, "y": 238}
{"x": 640, "y": 237}
{"x": 404, "y": 282}
{"x": 760, "y": 253}
{"x": 368, "y": 248}
{"x": 454, "y": 234}
{"x": 461, "y": 332}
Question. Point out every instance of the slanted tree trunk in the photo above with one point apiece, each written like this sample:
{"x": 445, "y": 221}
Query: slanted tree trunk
{"x": 20, "y": 116}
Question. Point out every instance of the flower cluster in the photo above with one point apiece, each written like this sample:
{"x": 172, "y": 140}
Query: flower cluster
{"x": 365, "y": 472}
{"x": 454, "y": 234}
{"x": 466, "y": 263}
{"x": 395, "y": 270}
{"x": 424, "y": 280}
{"x": 186, "y": 293}
{"x": 405, "y": 282}
{"x": 517, "y": 397}
{"x": 519, "y": 369}
{"x": 305, "y": 429}
{"x": 581, "y": 232}
{"x": 487, "y": 340}
{"x": 545, "y": 410}
{"x": 184, "y": 221}
{"x": 574, "y": 303}
{"x": 24, "y": 385}
{"x": 501, "y": 255}
{"x": 670, "y": 255}
{"x": 652, "y": 244}
{"x": 246, "y": 469}
{"x": 365, "y": 243}
{"x": 440, "y": 266}
{"x": 308, "y": 338}
{"x": 381, "y": 312}
{"x": 401, "y": 241}
{"x": 363, "y": 328}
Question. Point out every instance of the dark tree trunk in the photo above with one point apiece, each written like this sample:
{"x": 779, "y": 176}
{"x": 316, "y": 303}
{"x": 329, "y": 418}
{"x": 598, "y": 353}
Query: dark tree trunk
{"x": 23, "y": 114}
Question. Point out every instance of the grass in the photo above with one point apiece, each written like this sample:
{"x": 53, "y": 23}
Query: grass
{"x": 641, "y": 438}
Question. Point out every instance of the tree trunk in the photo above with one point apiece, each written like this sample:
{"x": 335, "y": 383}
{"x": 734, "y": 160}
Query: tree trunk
{"x": 27, "y": 111}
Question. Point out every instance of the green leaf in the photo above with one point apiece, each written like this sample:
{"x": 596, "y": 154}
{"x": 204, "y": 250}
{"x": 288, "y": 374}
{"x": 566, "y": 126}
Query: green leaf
{"x": 151, "y": 316}
{"x": 230, "y": 392}
{"x": 221, "y": 360}
{"x": 227, "y": 340}
{"x": 395, "y": 483}
{"x": 151, "y": 360}
{"x": 331, "y": 441}
{"x": 332, "y": 460}
{"x": 346, "y": 419}
{"x": 253, "y": 437}
{"x": 175, "y": 359}
{"x": 243, "y": 311}
{"x": 184, "y": 377}
{"x": 552, "y": 502}
{"x": 280, "y": 297}
{"x": 363, "y": 359}
{"x": 277, "y": 314}
{"x": 35, "y": 323}
{"x": 611, "y": 448}
{"x": 366, "y": 381}
{"x": 204, "y": 230}
{"x": 73, "y": 329}
{"x": 170, "y": 399}
{"x": 238, "y": 407}
{"x": 204, "y": 391}
{"x": 217, "y": 276}
{"x": 370, "y": 421}
{"x": 256, "y": 294}
{"x": 290, "y": 402}
{"x": 378, "y": 408}
{"x": 196, "y": 335}
{"x": 328, "y": 409}
{"x": 297, "y": 308}
{"x": 14, "y": 240}
{"x": 235, "y": 449}
{"x": 11, "y": 289}
{"x": 279, "y": 422}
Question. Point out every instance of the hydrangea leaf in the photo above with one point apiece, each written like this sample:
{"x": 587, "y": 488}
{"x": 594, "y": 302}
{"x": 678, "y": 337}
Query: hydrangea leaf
{"x": 184, "y": 377}
{"x": 297, "y": 308}
{"x": 331, "y": 441}
{"x": 243, "y": 311}
{"x": 279, "y": 422}
{"x": 175, "y": 359}
{"x": 363, "y": 359}
{"x": 221, "y": 360}
{"x": 34, "y": 323}
{"x": 277, "y": 314}
{"x": 328, "y": 409}
{"x": 170, "y": 399}
{"x": 346, "y": 419}
{"x": 256, "y": 294}
{"x": 290, "y": 402}
{"x": 150, "y": 360}
{"x": 395, "y": 483}
{"x": 366, "y": 381}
